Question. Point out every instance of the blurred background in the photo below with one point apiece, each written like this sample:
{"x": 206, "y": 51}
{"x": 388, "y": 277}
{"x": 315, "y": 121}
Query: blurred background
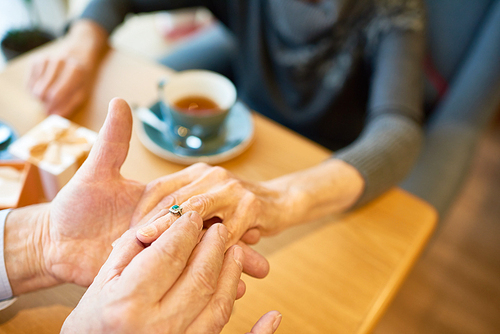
{"x": 454, "y": 288}
{"x": 164, "y": 31}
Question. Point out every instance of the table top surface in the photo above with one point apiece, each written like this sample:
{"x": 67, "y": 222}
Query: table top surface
{"x": 336, "y": 275}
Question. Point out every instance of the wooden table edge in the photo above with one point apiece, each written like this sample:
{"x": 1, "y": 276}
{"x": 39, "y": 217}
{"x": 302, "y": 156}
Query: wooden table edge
{"x": 382, "y": 302}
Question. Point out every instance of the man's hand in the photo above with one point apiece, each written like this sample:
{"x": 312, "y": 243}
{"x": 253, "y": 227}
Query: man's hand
{"x": 69, "y": 239}
{"x": 176, "y": 285}
{"x": 95, "y": 207}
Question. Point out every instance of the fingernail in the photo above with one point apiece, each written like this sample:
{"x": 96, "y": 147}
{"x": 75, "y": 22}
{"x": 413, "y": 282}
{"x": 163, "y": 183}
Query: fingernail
{"x": 222, "y": 232}
{"x": 148, "y": 231}
{"x": 238, "y": 256}
{"x": 114, "y": 243}
{"x": 277, "y": 322}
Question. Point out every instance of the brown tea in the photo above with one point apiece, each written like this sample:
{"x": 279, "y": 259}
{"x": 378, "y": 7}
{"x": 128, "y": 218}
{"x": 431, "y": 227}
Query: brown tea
{"x": 196, "y": 104}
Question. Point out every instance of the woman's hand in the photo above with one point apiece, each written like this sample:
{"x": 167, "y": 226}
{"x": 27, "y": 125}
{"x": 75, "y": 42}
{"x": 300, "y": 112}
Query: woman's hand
{"x": 248, "y": 209}
{"x": 62, "y": 78}
{"x": 217, "y": 195}
{"x": 176, "y": 285}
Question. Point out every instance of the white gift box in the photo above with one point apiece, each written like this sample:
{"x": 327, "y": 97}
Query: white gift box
{"x": 11, "y": 184}
{"x": 58, "y": 148}
{"x": 19, "y": 184}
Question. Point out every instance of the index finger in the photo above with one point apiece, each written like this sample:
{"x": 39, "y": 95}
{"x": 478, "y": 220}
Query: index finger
{"x": 52, "y": 71}
{"x": 153, "y": 272}
{"x": 37, "y": 68}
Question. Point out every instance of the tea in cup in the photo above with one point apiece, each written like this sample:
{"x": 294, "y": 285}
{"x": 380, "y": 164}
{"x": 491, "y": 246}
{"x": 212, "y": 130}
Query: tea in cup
{"x": 195, "y": 104}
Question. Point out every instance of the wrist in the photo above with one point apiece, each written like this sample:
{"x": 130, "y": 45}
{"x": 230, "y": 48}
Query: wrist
{"x": 331, "y": 187}
{"x": 25, "y": 234}
{"x": 289, "y": 203}
{"x": 86, "y": 41}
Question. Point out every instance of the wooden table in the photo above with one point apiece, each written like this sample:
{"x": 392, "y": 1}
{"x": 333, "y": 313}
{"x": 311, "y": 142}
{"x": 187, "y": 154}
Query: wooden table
{"x": 333, "y": 276}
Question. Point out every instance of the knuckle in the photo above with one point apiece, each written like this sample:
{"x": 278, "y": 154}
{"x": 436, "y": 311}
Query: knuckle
{"x": 154, "y": 185}
{"x": 235, "y": 185}
{"x": 232, "y": 235}
{"x": 128, "y": 234}
{"x": 171, "y": 258}
{"x": 218, "y": 172}
{"x": 59, "y": 62}
{"x": 41, "y": 61}
{"x": 222, "y": 308}
{"x": 163, "y": 326}
{"x": 119, "y": 317}
{"x": 250, "y": 199}
{"x": 203, "y": 281}
{"x": 51, "y": 94}
{"x": 37, "y": 92}
{"x": 168, "y": 201}
{"x": 200, "y": 203}
{"x": 74, "y": 69}
{"x": 155, "y": 216}
{"x": 200, "y": 166}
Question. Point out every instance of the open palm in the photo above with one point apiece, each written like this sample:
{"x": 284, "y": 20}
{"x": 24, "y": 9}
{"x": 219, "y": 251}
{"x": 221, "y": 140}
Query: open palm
{"x": 95, "y": 207}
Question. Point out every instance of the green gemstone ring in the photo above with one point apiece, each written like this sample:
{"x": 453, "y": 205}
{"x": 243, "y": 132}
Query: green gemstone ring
{"x": 176, "y": 210}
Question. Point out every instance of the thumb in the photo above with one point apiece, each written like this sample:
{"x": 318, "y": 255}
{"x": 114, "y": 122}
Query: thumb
{"x": 267, "y": 324}
{"x": 111, "y": 148}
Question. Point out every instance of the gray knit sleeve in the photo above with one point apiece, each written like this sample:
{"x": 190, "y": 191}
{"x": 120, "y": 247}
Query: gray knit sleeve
{"x": 390, "y": 142}
{"x": 110, "y": 13}
{"x": 107, "y": 13}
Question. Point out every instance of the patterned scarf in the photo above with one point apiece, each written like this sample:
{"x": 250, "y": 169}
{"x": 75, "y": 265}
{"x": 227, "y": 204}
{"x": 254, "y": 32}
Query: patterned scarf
{"x": 340, "y": 31}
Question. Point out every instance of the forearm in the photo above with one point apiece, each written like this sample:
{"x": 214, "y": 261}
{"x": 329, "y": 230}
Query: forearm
{"x": 109, "y": 14}
{"x": 377, "y": 161}
{"x": 25, "y": 230}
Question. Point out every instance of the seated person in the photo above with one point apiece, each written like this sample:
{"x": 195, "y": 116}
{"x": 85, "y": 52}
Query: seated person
{"x": 344, "y": 73}
{"x": 138, "y": 289}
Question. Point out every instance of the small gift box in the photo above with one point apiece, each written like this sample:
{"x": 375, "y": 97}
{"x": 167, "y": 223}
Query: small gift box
{"x": 19, "y": 185}
{"x": 58, "y": 148}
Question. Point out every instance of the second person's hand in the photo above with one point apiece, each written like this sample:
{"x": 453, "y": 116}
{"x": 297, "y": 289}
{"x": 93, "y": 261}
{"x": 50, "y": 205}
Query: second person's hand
{"x": 176, "y": 285}
{"x": 62, "y": 77}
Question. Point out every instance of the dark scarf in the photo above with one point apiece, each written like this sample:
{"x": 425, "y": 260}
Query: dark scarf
{"x": 320, "y": 51}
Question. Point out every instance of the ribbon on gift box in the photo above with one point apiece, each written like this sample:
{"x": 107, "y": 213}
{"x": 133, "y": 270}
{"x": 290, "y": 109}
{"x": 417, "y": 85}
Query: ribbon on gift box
{"x": 50, "y": 145}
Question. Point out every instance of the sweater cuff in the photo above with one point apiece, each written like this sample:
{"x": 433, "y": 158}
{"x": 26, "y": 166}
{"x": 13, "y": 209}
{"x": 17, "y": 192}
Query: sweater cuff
{"x": 106, "y": 15}
{"x": 6, "y": 298}
{"x": 383, "y": 154}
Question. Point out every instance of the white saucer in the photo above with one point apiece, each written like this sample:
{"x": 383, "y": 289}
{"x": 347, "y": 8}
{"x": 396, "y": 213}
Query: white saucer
{"x": 236, "y": 136}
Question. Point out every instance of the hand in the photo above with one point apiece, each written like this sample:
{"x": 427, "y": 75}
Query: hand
{"x": 215, "y": 192}
{"x": 248, "y": 209}
{"x": 62, "y": 78}
{"x": 69, "y": 239}
{"x": 176, "y": 285}
{"x": 95, "y": 207}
